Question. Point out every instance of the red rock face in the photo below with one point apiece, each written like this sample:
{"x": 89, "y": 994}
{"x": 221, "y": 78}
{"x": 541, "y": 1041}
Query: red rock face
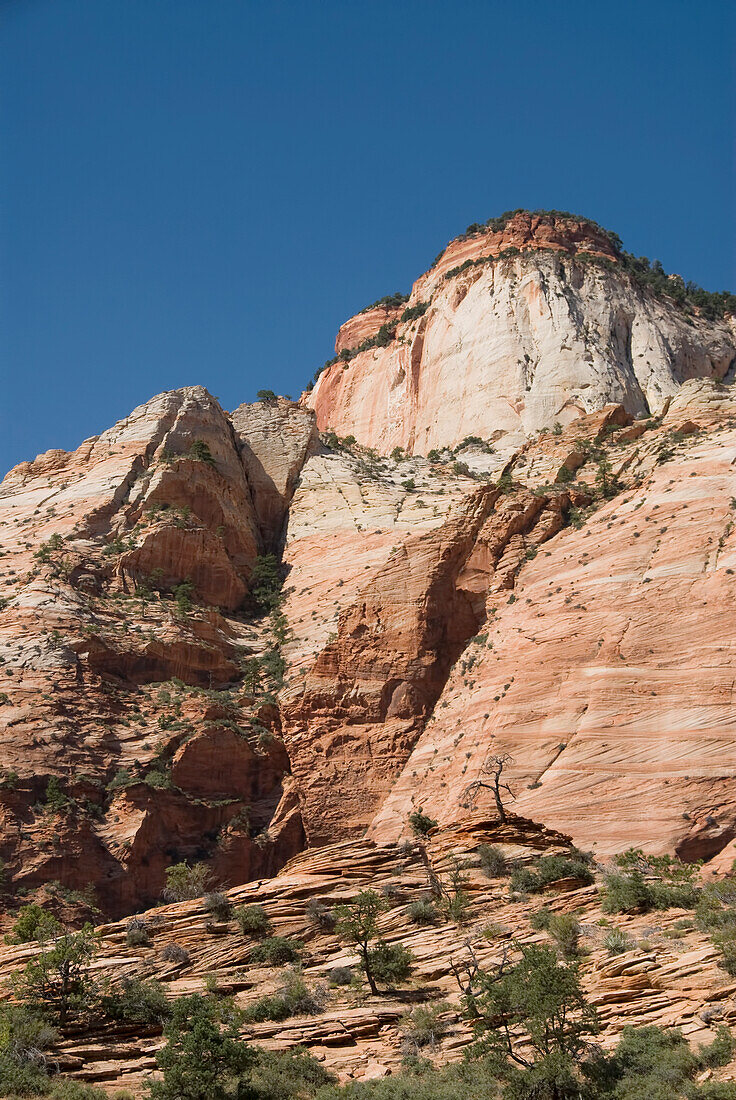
{"x": 566, "y": 597}
{"x": 123, "y": 564}
{"x": 606, "y": 674}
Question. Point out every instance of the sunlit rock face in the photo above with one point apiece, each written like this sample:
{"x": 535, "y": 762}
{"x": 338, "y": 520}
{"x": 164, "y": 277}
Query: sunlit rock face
{"x": 528, "y": 326}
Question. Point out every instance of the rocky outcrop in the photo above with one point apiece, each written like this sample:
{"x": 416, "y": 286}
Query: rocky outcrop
{"x": 669, "y": 975}
{"x": 276, "y": 438}
{"x": 606, "y": 673}
{"x": 527, "y": 326}
{"x": 124, "y": 562}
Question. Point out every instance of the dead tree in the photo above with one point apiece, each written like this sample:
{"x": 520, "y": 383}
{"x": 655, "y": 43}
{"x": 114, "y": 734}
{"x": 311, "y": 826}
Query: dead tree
{"x": 489, "y": 779}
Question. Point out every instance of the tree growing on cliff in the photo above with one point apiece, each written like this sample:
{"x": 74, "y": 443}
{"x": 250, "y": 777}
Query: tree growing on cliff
{"x": 539, "y": 1001}
{"x": 57, "y": 981}
{"x": 203, "y": 1056}
{"x": 490, "y": 779}
{"x": 358, "y": 924}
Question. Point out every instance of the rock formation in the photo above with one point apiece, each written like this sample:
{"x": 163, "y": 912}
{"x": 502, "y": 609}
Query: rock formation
{"x": 511, "y": 330}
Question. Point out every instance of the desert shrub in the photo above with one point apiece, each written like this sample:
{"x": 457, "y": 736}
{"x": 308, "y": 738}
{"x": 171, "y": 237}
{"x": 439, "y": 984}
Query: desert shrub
{"x": 421, "y": 824}
{"x": 174, "y": 953}
{"x": 56, "y": 982}
{"x": 253, "y": 921}
{"x": 34, "y": 923}
{"x": 137, "y": 932}
{"x": 218, "y": 906}
{"x": 650, "y": 1062}
{"x": 25, "y": 1037}
{"x": 340, "y": 975}
{"x": 265, "y": 585}
{"x": 547, "y": 869}
{"x": 617, "y": 941}
{"x": 423, "y": 912}
{"x": 423, "y": 1027}
{"x": 277, "y": 951}
{"x": 201, "y": 452}
{"x": 286, "y": 1075}
{"x": 565, "y": 929}
{"x": 203, "y": 1051}
{"x": 185, "y": 882}
{"x": 663, "y": 882}
{"x": 626, "y": 894}
{"x": 319, "y": 914}
{"x": 390, "y": 962}
{"x": 492, "y": 861}
{"x": 456, "y": 906}
{"x": 540, "y": 919}
{"x": 137, "y": 1001}
{"x": 294, "y": 998}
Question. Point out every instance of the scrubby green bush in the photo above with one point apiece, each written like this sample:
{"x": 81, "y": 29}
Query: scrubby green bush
{"x": 294, "y": 998}
{"x": 276, "y": 951}
{"x": 565, "y": 929}
{"x": 137, "y": 932}
{"x": 319, "y": 914}
{"x": 532, "y": 879}
{"x": 137, "y": 1001}
{"x": 421, "y": 824}
{"x": 253, "y": 921}
{"x": 390, "y": 962}
{"x": 492, "y": 861}
{"x": 34, "y": 923}
{"x": 540, "y": 919}
{"x": 423, "y": 911}
{"x": 174, "y": 953}
{"x": 617, "y": 941}
{"x": 185, "y": 882}
{"x": 218, "y": 905}
{"x": 423, "y": 1027}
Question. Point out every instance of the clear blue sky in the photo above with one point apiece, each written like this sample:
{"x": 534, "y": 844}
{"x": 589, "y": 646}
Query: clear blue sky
{"x": 201, "y": 191}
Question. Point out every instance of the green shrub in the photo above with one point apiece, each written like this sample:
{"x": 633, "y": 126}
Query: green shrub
{"x": 185, "y": 882}
{"x": 277, "y": 951}
{"x": 218, "y": 906}
{"x": 540, "y": 919}
{"x": 423, "y": 1027}
{"x": 423, "y": 912}
{"x": 565, "y": 929}
{"x": 286, "y": 1075}
{"x": 617, "y": 941}
{"x": 175, "y": 953}
{"x": 390, "y": 962}
{"x": 626, "y": 894}
{"x": 137, "y": 1001}
{"x": 294, "y": 998}
{"x": 319, "y": 914}
{"x": 56, "y": 982}
{"x": 200, "y": 452}
{"x": 137, "y": 932}
{"x": 492, "y": 861}
{"x": 253, "y": 921}
{"x": 203, "y": 1051}
{"x": 547, "y": 869}
{"x": 421, "y": 824}
{"x": 340, "y": 975}
{"x": 34, "y": 923}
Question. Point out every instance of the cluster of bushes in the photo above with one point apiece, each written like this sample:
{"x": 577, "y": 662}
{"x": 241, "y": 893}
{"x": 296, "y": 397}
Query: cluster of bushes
{"x": 294, "y": 998}
{"x": 642, "y": 883}
{"x": 533, "y": 878}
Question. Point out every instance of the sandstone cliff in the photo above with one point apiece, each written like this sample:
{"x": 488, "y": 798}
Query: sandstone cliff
{"x": 511, "y": 330}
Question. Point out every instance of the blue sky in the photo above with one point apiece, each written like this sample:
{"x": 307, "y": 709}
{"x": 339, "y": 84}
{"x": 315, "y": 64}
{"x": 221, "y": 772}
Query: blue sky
{"x": 201, "y": 191}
